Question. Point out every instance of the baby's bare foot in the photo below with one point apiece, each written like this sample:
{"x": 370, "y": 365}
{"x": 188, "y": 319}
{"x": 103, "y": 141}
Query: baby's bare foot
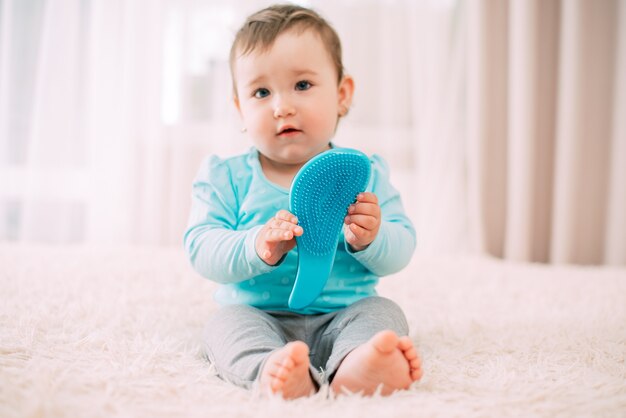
{"x": 385, "y": 360}
{"x": 286, "y": 371}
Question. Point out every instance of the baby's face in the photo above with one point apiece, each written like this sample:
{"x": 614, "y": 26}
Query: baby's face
{"x": 289, "y": 98}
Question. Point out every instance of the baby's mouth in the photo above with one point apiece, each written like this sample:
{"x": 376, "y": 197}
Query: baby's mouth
{"x": 289, "y": 132}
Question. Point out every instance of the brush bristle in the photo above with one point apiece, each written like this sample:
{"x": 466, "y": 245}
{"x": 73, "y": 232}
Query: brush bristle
{"x": 321, "y": 197}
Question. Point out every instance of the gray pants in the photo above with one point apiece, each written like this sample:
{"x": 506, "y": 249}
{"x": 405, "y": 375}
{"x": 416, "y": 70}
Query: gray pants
{"x": 239, "y": 338}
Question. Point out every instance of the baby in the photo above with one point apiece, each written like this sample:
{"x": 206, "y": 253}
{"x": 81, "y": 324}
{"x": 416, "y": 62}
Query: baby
{"x": 290, "y": 90}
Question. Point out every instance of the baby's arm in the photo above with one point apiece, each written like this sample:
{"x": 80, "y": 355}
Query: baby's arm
{"x": 381, "y": 237}
{"x": 277, "y": 237}
{"x": 216, "y": 247}
{"x": 391, "y": 251}
{"x": 224, "y": 255}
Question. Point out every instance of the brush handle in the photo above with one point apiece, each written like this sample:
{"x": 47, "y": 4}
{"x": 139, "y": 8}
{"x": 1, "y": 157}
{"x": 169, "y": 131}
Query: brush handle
{"x": 312, "y": 275}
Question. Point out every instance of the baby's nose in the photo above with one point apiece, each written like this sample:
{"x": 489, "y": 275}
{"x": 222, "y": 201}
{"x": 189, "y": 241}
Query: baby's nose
{"x": 283, "y": 108}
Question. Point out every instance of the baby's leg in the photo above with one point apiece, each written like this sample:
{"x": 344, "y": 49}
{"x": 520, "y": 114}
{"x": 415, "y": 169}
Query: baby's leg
{"x": 372, "y": 351}
{"x": 248, "y": 348}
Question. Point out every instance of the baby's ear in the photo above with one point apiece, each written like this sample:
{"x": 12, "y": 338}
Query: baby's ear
{"x": 236, "y": 102}
{"x": 346, "y": 91}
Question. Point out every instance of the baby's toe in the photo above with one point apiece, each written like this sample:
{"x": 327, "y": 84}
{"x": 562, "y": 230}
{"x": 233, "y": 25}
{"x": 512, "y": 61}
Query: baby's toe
{"x": 288, "y": 364}
{"x": 405, "y": 343}
{"x": 277, "y": 384}
{"x": 272, "y": 368}
{"x": 410, "y": 354}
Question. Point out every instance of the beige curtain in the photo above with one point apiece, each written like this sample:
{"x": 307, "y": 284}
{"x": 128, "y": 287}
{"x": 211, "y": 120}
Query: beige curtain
{"x": 546, "y": 130}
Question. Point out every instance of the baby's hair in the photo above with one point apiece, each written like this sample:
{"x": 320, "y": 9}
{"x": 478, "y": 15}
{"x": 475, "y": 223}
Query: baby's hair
{"x": 261, "y": 29}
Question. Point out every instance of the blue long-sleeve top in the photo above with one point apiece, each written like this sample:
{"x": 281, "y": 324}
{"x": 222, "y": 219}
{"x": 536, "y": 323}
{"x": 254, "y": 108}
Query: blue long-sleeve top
{"x": 231, "y": 201}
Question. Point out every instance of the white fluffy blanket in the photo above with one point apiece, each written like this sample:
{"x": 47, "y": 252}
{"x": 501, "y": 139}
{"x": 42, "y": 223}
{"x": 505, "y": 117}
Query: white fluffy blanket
{"x": 88, "y": 332}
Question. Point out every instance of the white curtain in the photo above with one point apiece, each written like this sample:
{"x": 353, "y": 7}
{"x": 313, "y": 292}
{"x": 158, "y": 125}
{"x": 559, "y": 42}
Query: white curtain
{"x": 80, "y": 128}
{"x": 503, "y": 120}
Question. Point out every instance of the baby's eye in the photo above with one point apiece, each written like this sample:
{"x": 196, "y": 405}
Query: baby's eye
{"x": 303, "y": 85}
{"x": 261, "y": 93}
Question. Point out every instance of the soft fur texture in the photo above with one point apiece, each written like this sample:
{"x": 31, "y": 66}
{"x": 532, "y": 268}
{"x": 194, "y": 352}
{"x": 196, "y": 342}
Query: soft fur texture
{"x": 94, "y": 332}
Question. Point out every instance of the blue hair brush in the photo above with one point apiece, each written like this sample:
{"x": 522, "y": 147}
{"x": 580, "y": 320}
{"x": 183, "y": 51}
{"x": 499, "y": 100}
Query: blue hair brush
{"x": 320, "y": 195}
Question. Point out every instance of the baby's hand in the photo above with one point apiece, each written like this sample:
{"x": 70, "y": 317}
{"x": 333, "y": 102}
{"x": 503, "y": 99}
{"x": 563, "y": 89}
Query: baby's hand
{"x": 277, "y": 237}
{"x": 363, "y": 221}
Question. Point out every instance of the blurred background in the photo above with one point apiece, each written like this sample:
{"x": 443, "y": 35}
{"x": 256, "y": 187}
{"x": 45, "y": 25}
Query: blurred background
{"x": 504, "y": 121}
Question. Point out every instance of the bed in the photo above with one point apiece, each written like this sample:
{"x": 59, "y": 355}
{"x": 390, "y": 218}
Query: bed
{"x": 113, "y": 332}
